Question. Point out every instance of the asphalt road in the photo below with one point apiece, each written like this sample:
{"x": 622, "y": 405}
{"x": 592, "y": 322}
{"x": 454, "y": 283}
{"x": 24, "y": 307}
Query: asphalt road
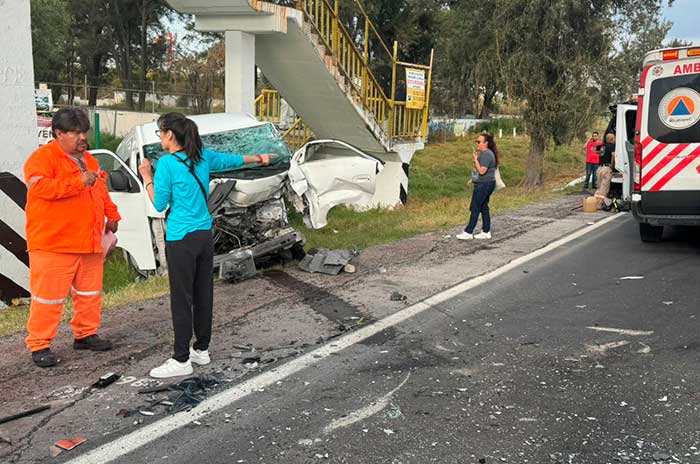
{"x": 511, "y": 371}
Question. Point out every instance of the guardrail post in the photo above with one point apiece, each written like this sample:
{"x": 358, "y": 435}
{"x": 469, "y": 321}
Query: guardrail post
{"x": 97, "y": 130}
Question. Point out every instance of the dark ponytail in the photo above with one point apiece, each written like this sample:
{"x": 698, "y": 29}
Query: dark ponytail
{"x": 491, "y": 143}
{"x": 186, "y": 133}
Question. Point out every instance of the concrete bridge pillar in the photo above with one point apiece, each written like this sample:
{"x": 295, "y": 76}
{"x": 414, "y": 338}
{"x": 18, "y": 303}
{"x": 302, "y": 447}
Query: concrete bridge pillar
{"x": 240, "y": 72}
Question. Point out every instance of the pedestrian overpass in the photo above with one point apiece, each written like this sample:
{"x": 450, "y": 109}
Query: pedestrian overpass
{"x": 341, "y": 85}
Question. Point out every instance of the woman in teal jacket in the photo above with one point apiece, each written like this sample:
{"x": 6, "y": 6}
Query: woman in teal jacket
{"x": 182, "y": 183}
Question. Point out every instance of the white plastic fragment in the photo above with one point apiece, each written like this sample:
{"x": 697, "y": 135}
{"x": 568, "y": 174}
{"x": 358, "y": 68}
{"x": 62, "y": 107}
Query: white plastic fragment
{"x": 632, "y": 278}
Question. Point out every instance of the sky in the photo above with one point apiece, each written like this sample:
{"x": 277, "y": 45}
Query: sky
{"x": 685, "y": 15}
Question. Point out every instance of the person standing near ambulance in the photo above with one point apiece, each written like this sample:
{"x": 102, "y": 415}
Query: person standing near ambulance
{"x": 68, "y": 211}
{"x": 592, "y": 149}
{"x": 182, "y": 183}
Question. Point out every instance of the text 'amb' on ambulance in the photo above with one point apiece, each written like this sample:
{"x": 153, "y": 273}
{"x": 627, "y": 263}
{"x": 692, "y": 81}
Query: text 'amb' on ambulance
{"x": 666, "y": 180}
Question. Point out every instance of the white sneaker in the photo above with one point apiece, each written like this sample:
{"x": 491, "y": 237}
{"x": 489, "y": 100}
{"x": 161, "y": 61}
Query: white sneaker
{"x": 483, "y": 235}
{"x": 171, "y": 368}
{"x": 200, "y": 358}
{"x": 464, "y": 236}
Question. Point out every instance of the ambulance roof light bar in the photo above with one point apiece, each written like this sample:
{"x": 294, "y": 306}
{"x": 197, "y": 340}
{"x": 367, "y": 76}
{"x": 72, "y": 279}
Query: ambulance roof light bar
{"x": 668, "y": 55}
{"x": 671, "y": 54}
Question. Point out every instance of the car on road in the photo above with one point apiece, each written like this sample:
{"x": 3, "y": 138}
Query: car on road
{"x": 248, "y": 204}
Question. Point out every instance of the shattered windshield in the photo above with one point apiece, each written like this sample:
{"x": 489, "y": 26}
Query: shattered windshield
{"x": 249, "y": 141}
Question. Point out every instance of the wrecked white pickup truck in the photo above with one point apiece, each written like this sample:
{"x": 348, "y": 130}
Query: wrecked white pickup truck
{"x": 247, "y": 204}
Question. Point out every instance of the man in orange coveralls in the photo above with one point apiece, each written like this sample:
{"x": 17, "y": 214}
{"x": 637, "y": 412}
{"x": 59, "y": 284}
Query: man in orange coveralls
{"x": 67, "y": 202}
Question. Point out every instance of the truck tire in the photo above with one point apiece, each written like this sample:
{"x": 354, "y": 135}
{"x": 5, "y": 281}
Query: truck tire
{"x": 650, "y": 233}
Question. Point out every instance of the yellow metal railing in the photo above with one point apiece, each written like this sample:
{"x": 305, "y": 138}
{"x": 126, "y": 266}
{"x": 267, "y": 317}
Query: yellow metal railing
{"x": 355, "y": 66}
{"x": 297, "y": 135}
{"x": 268, "y": 106}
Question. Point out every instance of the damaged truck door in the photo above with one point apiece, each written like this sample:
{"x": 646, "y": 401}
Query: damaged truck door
{"x": 327, "y": 173}
{"x": 127, "y": 192}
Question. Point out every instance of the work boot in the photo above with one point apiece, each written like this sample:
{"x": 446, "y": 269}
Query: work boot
{"x": 92, "y": 343}
{"x": 44, "y": 358}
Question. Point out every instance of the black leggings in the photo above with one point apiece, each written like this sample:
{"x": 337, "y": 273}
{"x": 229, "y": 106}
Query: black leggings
{"x": 190, "y": 268}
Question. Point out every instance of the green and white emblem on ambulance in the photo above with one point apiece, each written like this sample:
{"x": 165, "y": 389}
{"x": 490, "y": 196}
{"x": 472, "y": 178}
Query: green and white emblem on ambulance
{"x": 680, "y": 108}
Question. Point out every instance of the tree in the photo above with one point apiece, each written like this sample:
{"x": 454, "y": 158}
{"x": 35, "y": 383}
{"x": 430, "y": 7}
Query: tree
{"x": 639, "y": 32}
{"x": 468, "y": 75}
{"x": 151, "y": 12}
{"x": 50, "y": 23}
{"x": 549, "y": 50}
{"x": 203, "y": 74}
{"x": 90, "y": 30}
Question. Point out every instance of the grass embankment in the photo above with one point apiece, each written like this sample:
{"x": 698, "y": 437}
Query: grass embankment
{"x": 438, "y": 199}
{"x": 439, "y": 196}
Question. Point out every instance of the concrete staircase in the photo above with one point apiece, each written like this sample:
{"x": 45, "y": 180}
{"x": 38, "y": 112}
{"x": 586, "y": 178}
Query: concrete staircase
{"x": 308, "y": 56}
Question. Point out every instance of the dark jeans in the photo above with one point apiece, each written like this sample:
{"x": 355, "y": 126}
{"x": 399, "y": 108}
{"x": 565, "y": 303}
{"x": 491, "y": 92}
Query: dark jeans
{"x": 591, "y": 174}
{"x": 190, "y": 265}
{"x": 480, "y": 205}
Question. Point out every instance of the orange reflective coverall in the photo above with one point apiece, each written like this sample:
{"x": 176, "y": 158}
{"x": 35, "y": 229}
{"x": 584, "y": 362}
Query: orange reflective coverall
{"x": 65, "y": 223}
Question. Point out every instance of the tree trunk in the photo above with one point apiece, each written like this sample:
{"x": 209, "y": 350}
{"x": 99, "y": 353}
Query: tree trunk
{"x": 488, "y": 104}
{"x": 144, "y": 55}
{"x": 124, "y": 57}
{"x": 94, "y": 79}
{"x": 534, "y": 175}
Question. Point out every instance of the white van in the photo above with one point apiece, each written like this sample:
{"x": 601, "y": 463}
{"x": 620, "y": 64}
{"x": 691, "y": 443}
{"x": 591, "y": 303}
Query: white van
{"x": 247, "y": 204}
{"x": 666, "y": 181}
{"x": 622, "y": 124}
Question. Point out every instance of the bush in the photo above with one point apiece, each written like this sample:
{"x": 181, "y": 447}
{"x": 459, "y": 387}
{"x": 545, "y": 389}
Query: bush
{"x": 493, "y": 125}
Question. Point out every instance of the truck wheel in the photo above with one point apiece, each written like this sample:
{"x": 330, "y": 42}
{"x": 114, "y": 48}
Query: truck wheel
{"x": 298, "y": 252}
{"x": 650, "y": 233}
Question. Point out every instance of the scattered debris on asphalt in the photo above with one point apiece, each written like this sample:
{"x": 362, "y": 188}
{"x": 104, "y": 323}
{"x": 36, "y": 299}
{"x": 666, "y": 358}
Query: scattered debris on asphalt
{"x": 631, "y": 333}
{"x": 106, "y": 380}
{"x": 183, "y": 395}
{"x": 659, "y": 456}
{"x": 65, "y": 445}
{"x": 396, "y": 296}
{"x": 26, "y": 413}
{"x": 632, "y": 278}
{"x": 644, "y": 349}
{"x": 325, "y": 261}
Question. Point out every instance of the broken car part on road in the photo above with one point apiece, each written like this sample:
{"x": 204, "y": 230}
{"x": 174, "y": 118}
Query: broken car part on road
{"x": 325, "y": 261}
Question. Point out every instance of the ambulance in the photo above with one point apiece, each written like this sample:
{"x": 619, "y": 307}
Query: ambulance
{"x": 665, "y": 181}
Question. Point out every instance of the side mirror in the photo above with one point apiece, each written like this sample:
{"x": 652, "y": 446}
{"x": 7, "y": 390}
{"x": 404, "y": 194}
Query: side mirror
{"x": 119, "y": 182}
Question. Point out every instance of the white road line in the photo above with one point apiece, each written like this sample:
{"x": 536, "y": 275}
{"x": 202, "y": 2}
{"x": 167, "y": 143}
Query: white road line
{"x": 601, "y": 349}
{"x": 631, "y": 333}
{"x": 365, "y": 412}
{"x": 142, "y": 436}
